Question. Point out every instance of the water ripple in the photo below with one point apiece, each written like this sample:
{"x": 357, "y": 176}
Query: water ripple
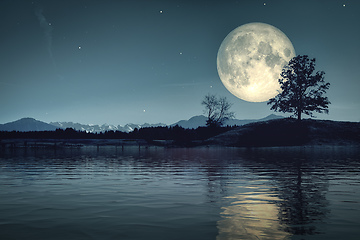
{"x": 199, "y": 193}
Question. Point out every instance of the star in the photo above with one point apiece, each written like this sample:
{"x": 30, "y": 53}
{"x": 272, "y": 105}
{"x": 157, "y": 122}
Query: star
{"x": 161, "y": 11}
{"x": 79, "y": 47}
{"x": 344, "y": 5}
{"x": 264, "y": 4}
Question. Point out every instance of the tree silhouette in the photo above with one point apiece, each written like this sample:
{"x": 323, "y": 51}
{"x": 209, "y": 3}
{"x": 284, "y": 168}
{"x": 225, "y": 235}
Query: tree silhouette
{"x": 302, "y": 89}
{"x": 217, "y": 110}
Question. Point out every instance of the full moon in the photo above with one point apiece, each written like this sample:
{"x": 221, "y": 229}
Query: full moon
{"x": 250, "y": 60}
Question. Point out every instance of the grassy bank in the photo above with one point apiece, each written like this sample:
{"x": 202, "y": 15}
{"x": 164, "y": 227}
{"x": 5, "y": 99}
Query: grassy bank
{"x": 290, "y": 132}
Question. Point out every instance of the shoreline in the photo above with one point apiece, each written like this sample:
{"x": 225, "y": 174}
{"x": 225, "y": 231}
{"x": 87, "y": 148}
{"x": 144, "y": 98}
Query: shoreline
{"x": 79, "y": 143}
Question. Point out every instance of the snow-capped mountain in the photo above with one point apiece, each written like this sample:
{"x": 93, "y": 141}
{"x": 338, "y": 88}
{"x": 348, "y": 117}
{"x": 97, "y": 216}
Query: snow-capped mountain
{"x": 94, "y": 128}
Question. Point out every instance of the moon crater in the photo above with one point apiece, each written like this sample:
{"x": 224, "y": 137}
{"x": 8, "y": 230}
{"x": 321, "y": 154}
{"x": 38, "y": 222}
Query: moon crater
{"x": 250, "y": 60}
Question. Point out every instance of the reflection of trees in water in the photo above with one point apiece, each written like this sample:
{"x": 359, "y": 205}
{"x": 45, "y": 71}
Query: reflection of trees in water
{"x": 216, "y": 175}
{"x": 252, "y": 215}
{"x": 300, "y": 180}
{"x": 303, "y": 193}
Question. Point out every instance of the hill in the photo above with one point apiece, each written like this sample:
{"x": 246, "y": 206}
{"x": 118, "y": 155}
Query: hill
{"x": 290, "y": 132}
{"x": 194, "y": 122}
{"x": 27, "y": 124}
{"x": 200, "y": 121}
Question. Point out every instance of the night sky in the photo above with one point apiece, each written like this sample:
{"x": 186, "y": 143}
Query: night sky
{"x": 118, "y": 62}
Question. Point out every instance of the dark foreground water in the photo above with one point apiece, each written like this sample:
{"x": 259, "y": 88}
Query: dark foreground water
{"x": 200, "y": 193}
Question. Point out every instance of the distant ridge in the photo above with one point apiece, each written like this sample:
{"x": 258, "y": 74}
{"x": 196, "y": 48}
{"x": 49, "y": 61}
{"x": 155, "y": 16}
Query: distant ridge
{"x": 27, "y": 124}
{"x": 199, "y": 121}
{"x": 194, "y": 122}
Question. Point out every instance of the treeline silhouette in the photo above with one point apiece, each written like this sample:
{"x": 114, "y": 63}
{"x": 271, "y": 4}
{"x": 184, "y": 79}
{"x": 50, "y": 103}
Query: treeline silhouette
{"x": 176, "y": 133}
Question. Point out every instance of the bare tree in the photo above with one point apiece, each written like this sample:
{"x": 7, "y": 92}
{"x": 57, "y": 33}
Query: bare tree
{"x": 217, "y": 110}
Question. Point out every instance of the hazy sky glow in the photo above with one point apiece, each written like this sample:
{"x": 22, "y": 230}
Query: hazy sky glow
{"x": 153, "y": 61}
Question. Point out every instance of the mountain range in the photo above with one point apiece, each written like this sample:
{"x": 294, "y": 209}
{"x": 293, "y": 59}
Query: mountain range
{"x": 104, "y": 127}
{"x": 30, "y": 124}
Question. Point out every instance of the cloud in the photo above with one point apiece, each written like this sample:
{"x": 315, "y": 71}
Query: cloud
{"x": 47, "y": 27}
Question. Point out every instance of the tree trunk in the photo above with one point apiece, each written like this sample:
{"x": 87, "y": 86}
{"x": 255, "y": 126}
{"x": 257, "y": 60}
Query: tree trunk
{"x": 299, "y": 115}
{"x": 299, "y": 108}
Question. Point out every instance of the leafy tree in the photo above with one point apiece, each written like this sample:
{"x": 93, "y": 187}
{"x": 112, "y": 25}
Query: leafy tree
{"x": 302, "y": 89}
{"x": 217, "y": 110}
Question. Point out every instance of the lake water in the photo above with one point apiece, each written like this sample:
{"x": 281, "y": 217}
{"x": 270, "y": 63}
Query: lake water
{"x": 196, "y": 193}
